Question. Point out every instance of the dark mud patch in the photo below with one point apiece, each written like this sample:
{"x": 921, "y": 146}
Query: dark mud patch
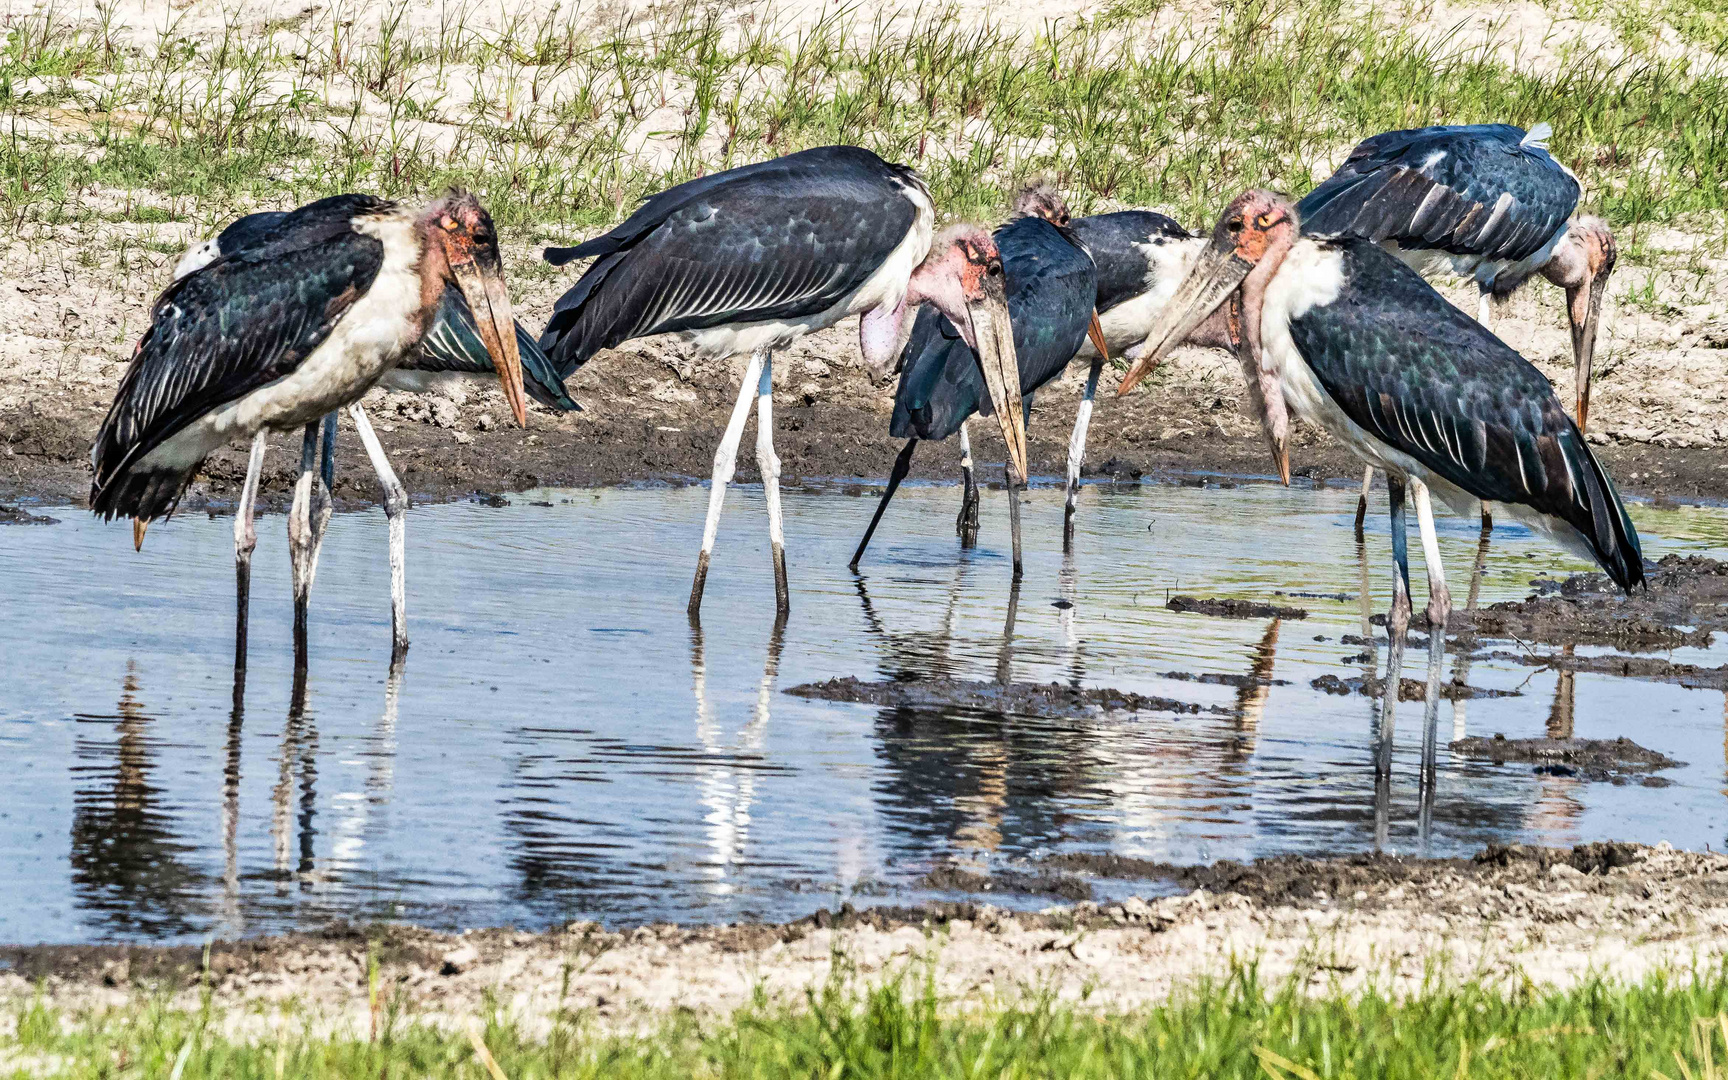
{"x": 1650, "y": 668}
{"x": 1408, "y": 689}
{"x": 1615, "y": 761}
{"x": 1686, "y": 602}
{"x": 17, "y": 515}
{"x": 958, "y": 879}
{"x": 1227, "y": 608}
{"x": 1211, "y": 678}
{"x": 1044, "y": 700}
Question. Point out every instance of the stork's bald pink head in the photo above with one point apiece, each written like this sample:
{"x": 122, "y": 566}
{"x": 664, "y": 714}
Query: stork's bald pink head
{"x": 460, "y": 247}
{"x": 1040, "y": 199}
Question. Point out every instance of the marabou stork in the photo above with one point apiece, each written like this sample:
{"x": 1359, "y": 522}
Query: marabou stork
{"x": 451, "y": 351}
{"x": 1485, "y": 201}
{"x": 290, "y": 327}
{"x": 751, "y": 259}
{"x": 1052, "y": 287}
{"x": 1342, "y": 333}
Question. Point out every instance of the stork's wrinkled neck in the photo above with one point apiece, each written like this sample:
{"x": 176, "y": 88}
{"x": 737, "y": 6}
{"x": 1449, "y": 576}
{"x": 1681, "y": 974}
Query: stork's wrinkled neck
{"x": 1275, "y": 415}
{"x": 884, "y": 331}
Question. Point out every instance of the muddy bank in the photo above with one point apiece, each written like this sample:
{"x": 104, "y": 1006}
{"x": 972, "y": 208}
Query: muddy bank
{"x": 1617, "y": 761}
{"x": 651, "y": 414}
{"x": 1044, "y": 700}
{"x": 1548, "y": 915}
{"x": 1686, "y": 602}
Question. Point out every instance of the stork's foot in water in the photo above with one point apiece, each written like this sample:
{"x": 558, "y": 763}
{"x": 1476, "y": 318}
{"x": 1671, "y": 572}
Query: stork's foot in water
{"x": 1487, "y": 523}
{"x": 966, "y": 524}
{"x": 1362, "y": 501}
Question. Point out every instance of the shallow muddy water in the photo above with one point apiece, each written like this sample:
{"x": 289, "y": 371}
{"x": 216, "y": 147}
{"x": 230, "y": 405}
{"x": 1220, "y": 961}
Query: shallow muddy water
{"x": 560, "y": 744}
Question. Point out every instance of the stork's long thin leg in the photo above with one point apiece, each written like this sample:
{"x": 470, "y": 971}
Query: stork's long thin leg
{"x": 1013, "y": 485}
{"x": 1362, "y": 500}
{"x": 966, "y": 525}
{"x": 245, "y": 540}
{"x": 768, "y": 463}
{"x": 1439, "y": 596}
{"x": 1397, "y": 625}
{"x": 1077, "y": 451}
{"x": 1485, "y": 308}
{"x": 306, "y": 521}
{"x": 902, "y": 464}
{"x": 725, "y": 464}
{"x": 395, "y": 515}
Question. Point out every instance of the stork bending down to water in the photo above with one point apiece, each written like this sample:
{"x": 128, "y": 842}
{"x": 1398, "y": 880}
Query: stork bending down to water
{"x": 753, "y": 258}
{"x": 1345, "y": 336}
{"x": 1051, "y": 287}
{"x": 452, "y": 350}
{"x": 292, "y": 326}
{"x": 1485, "y": 201}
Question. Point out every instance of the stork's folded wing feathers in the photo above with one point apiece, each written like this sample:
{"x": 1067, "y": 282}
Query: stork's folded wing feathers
{"x": 783, "y": 240}
{"x": 453, "y": 343}
{"x": 1478, "y": 190}
{"x": 219, "y": 334}
{"x": 1427, "y": 380}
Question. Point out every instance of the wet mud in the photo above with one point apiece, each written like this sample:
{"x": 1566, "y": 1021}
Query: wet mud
{"x": 1229, "y": 608}
{"x": 1651, "y": 668}
{"x": 14, "y": 515}
{"x": 1618, "y": 761}
{"x": 1408, "y": 689}
{"x": 1685, "y": 604}
{"x": 1042, "y": 700}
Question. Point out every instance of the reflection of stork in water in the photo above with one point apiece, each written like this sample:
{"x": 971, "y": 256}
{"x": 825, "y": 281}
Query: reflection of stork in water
{"x": 1252, "y": 694}
{"x": 299, "y": 755}
{"x": 916, "y": 654}
{"x": 233, "y": 920}
{"x": 357, "y": 812}
{"x": 729, "y": 771}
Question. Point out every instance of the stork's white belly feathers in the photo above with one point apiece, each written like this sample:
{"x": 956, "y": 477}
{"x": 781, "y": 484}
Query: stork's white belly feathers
{"x": 376, "y": 332}
{"x": 1128, "y": 323}
{"x": 885, "y": 287}
{"x": 1487, "y": 272}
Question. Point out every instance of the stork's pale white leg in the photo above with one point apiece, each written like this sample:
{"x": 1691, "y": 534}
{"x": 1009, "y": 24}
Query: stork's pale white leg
{"x": 395, "y": 514}
{"x": 1485, "y": 308}
{"x": 1077, "y": 451}
{"x": 725, "y": 464}
{"x": 306, "y": 521}
{"x": 967, "y": 523}
{"x": 245, "y": 540}
{"x": 768, "y": 463}
{"x": 1439, "y": 597}
{"x": 1362, "y": 500}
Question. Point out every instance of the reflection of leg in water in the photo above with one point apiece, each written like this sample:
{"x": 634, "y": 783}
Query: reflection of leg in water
{"x": 1560, "y": 713}
{"x": 1005, "y": 655}
{"x": 1069, "y": 585}
{"x": 729, "y": 783}
{"x": 299, "y": 754}
{"x": 1251, "y": 698}
{"x": 1430, "y": 725}
{"x": 231, "y": 806}
{"x": 1467, "y": 636}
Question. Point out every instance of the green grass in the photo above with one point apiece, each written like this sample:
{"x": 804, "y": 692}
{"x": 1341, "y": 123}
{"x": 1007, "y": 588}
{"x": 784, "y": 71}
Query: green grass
{"x": 1675, "y": 1028}
{"x": 546, "y": 116}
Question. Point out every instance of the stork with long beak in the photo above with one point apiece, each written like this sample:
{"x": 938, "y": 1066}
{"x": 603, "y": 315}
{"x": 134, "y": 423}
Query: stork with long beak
{"x": 751, "y": 259}
{"x": 285, "y": 330}
{"x": 1051, "y": 292}
{"x": 1339, "y": 333}
{"x": 1481, "y": 201}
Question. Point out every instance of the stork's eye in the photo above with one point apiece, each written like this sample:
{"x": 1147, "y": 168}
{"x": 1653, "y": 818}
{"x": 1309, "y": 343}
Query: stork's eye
{"x": 1264, "y": 221}
{"x": 1234, "y": 225}
{"x": 995, "y": 269}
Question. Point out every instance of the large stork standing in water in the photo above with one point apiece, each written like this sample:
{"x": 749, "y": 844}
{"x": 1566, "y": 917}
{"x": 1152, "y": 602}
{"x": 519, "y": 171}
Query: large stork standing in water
{"x": 1344, "y": 335}
{"x": 452, "y": 351}
{"x": 753, "y": 258}
{"x": 1484, "y": 201}
{"x": 285, "y": 330}
{"x": 1051, "y": 288}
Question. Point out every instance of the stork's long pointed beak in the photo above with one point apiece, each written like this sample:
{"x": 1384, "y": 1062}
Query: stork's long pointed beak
{"x": 1585, "y": 323}
{"x": 1095, "y": 331}
{"x": 481, "y": 280}
{"x": 993, "y": 339}
{"x": 138, "y": 527}
{"x": 1214, "y": 276}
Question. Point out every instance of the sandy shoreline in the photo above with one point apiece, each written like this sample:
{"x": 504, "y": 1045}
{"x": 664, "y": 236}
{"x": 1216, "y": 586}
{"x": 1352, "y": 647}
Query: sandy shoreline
{"x": 1549, "y": 916}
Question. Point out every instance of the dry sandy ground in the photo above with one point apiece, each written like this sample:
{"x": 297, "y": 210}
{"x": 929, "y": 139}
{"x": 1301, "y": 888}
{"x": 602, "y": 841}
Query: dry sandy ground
{"x": 1544, "y": 915}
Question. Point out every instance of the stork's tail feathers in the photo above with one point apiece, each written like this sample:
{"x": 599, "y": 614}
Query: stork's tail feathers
{"x": 1611, "y": 534}
{"x": 138, "y": 493}
{"x": 563, "y": 256}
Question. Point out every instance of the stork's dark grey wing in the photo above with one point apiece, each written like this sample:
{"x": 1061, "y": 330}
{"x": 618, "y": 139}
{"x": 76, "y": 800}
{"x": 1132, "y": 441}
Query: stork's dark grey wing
{"x": 1051, "y": 288}
{"x": 453, "y": 343}
{"x": 244, "y": 321}
{"x": 1426, "y": 379}
{"x": 1119, "y": 244}
{"x": 1482, "y": 189}
{"x": 783, "y": 239}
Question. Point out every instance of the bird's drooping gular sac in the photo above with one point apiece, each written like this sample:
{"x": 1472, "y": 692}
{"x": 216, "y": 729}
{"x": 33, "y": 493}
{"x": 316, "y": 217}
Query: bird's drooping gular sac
{"x": 297, "y": 323}
{"x": 1353, "y": 340}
